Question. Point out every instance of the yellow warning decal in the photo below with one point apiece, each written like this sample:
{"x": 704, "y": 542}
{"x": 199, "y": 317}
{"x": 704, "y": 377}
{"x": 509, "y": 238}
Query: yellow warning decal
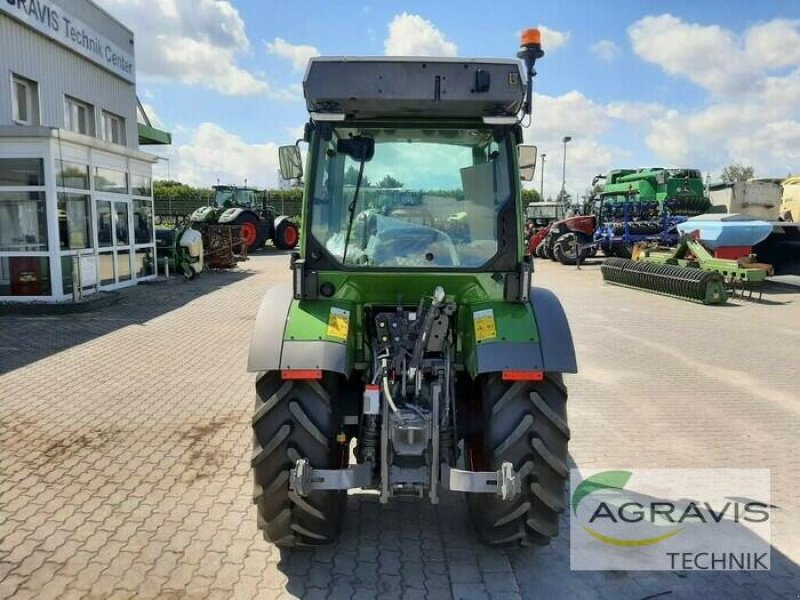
{"x": 338, "y": 323}
{"x": 485, "y": 328}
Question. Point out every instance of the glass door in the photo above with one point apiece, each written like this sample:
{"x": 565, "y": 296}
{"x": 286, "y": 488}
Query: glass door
{"x": 122, "y": 241}
{"x": 113, "y": 241}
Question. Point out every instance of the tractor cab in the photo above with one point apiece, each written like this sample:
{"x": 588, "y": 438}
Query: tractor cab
{"x": 229, "y": 196}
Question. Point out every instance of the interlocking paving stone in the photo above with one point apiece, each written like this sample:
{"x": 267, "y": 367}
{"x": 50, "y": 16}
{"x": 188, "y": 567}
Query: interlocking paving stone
{"x": 125, "y": 437}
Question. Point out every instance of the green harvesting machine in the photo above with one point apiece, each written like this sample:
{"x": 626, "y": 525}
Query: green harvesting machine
{"x": 410, "y": 337}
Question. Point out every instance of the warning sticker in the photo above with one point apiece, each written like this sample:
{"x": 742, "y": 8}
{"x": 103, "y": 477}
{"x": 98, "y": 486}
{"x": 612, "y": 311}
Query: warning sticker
{"x": 338, "y": 323}
{"x": 485, "y": 328}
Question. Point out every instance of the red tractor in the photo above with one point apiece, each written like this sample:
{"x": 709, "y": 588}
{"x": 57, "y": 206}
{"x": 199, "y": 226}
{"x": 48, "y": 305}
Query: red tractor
{"x": 562, "y": 240}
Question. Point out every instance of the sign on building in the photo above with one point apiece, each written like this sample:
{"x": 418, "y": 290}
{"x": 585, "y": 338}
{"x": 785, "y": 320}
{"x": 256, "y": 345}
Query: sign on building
{"x": 50, "y": 19}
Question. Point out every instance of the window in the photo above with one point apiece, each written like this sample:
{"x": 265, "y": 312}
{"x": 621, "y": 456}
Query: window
{"x": 123, "y": 238}
{"x": 21, "y": 171}
{"x": 428, "y": 198}
{"x": 23, "y": 222}
{"x": 143, "y": 221}
{"x": 24, "y": 101}
{"x": 113, "y": 128}
{"x": 72, "y": 175}
{"x": 24, "y": 276}
{"x": 73, "y": 221}
{"x": 141, "y": 185}
{"x": 109, "y": 180}
{"x": 78, "y": 116}
{"x": 104, "y": 233}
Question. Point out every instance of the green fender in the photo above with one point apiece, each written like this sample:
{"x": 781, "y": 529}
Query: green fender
{"x": 526, "y": 337}
{"x": 308, "y": 334}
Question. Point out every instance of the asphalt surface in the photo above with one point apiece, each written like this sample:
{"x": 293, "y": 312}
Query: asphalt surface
{"x": 125, "y": 444}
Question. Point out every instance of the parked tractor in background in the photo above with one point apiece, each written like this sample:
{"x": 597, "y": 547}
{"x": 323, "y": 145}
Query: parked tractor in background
{"x": 539, "y": 217}
{"x": 247, "y": 208}
{"x": 633, "y": 206}
{"x": 424, "y": 348}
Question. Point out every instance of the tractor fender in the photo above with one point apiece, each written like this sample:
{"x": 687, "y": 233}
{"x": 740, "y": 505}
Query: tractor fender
{"x": 202, "y": 214}
{"x": 269, "y": 351}
{"x": 278, "y": 221}
{"x": 230, "y": 215}
{"x": 555, "y": 338}
{"x": 266, "y": 342}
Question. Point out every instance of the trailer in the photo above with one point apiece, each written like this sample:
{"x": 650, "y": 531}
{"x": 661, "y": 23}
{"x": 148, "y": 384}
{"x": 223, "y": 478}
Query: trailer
{"x": 766, "y": 199}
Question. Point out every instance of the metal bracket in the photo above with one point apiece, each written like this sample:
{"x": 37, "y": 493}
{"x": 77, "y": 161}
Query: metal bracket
{"x": 304, "y": 478}
{"x": 503, "y": 482}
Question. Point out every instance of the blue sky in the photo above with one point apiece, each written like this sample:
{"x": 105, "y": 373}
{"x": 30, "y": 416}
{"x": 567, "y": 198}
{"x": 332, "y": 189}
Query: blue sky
{"x": 694, "y": 84}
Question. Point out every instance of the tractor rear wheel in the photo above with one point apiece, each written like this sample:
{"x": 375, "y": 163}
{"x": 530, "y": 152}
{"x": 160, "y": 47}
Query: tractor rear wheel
{"x": 286, "y": 235}
{"x": 295, "y": 419}
{"x": 524, "y": 423}
{"x": 566, "y": 248}
{"x": 547, "y": 247}
{"x": 251, "y": 234}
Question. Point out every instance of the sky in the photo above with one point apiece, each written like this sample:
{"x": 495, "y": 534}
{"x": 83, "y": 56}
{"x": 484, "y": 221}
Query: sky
{"x": 696, "y": 84}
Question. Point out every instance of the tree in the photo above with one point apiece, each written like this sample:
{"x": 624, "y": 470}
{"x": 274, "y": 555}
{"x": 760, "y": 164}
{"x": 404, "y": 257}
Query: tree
{"x": 389, "y": 182}
{"x": 351, "y": 177}
{"x": 737, "y": 172}
{"x": 564, "y": 197}
{"x": 529, "y": 196}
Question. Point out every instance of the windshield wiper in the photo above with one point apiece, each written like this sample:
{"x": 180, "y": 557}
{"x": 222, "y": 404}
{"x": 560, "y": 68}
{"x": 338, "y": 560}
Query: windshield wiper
{"x": 352, "y": 208}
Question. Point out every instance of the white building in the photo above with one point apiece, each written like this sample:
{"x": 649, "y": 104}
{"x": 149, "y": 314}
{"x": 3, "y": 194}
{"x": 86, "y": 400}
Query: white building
{"x": 76, "y": 202}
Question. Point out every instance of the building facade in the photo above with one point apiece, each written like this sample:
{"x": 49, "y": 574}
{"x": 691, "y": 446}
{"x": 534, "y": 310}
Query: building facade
{"x": 76, "y": 202}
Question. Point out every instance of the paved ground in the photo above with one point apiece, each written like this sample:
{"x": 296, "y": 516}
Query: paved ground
{"x": 124, "y": 447}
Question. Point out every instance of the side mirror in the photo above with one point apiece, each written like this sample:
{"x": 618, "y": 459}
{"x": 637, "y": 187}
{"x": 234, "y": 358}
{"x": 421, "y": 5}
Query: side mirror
{"x": 290, "y": 161}
{"x": 527, "y": 161}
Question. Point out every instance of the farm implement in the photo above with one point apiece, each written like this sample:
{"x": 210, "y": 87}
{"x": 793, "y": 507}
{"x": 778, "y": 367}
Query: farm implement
{"x": 713, "y": 257}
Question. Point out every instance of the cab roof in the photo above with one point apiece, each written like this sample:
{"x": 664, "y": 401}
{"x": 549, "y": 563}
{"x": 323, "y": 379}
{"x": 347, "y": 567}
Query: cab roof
{"x": 414, "y": 87}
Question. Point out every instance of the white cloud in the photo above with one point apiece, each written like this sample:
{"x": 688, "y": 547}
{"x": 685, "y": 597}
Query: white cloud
{"x": 553, "y": 39}
{"x": 606, "y": 50}
{"x": 155, "y": 120}
{"x": 635, "y": 112}
{"x": 752, "y": 113}
{"x": 708, "y": 55}
{"x": 195, "y": 42}
{"x": 774, "y": 44}
{"x": 211, "y": 153}
{"x": 298, "y": 55}
{"x": 411, "y": 35}
{"x": 571, "y": 114}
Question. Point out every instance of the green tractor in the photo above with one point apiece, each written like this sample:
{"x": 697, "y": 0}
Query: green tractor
{"x": 402, "y": 359}
{"x": 247, "y": 208}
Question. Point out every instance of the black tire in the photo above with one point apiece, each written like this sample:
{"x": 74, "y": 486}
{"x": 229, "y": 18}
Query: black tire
{"x": 539, "y": 252}
{"x": 286, "y": 235}
{"x": 622, "y": 250}
{"x": 293, "y": 420}
{"x": 524, "y": 423}
{"x": 547, "y": 247}
{"x": 566, "y": 248}
{"x": 249, "y": 220}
